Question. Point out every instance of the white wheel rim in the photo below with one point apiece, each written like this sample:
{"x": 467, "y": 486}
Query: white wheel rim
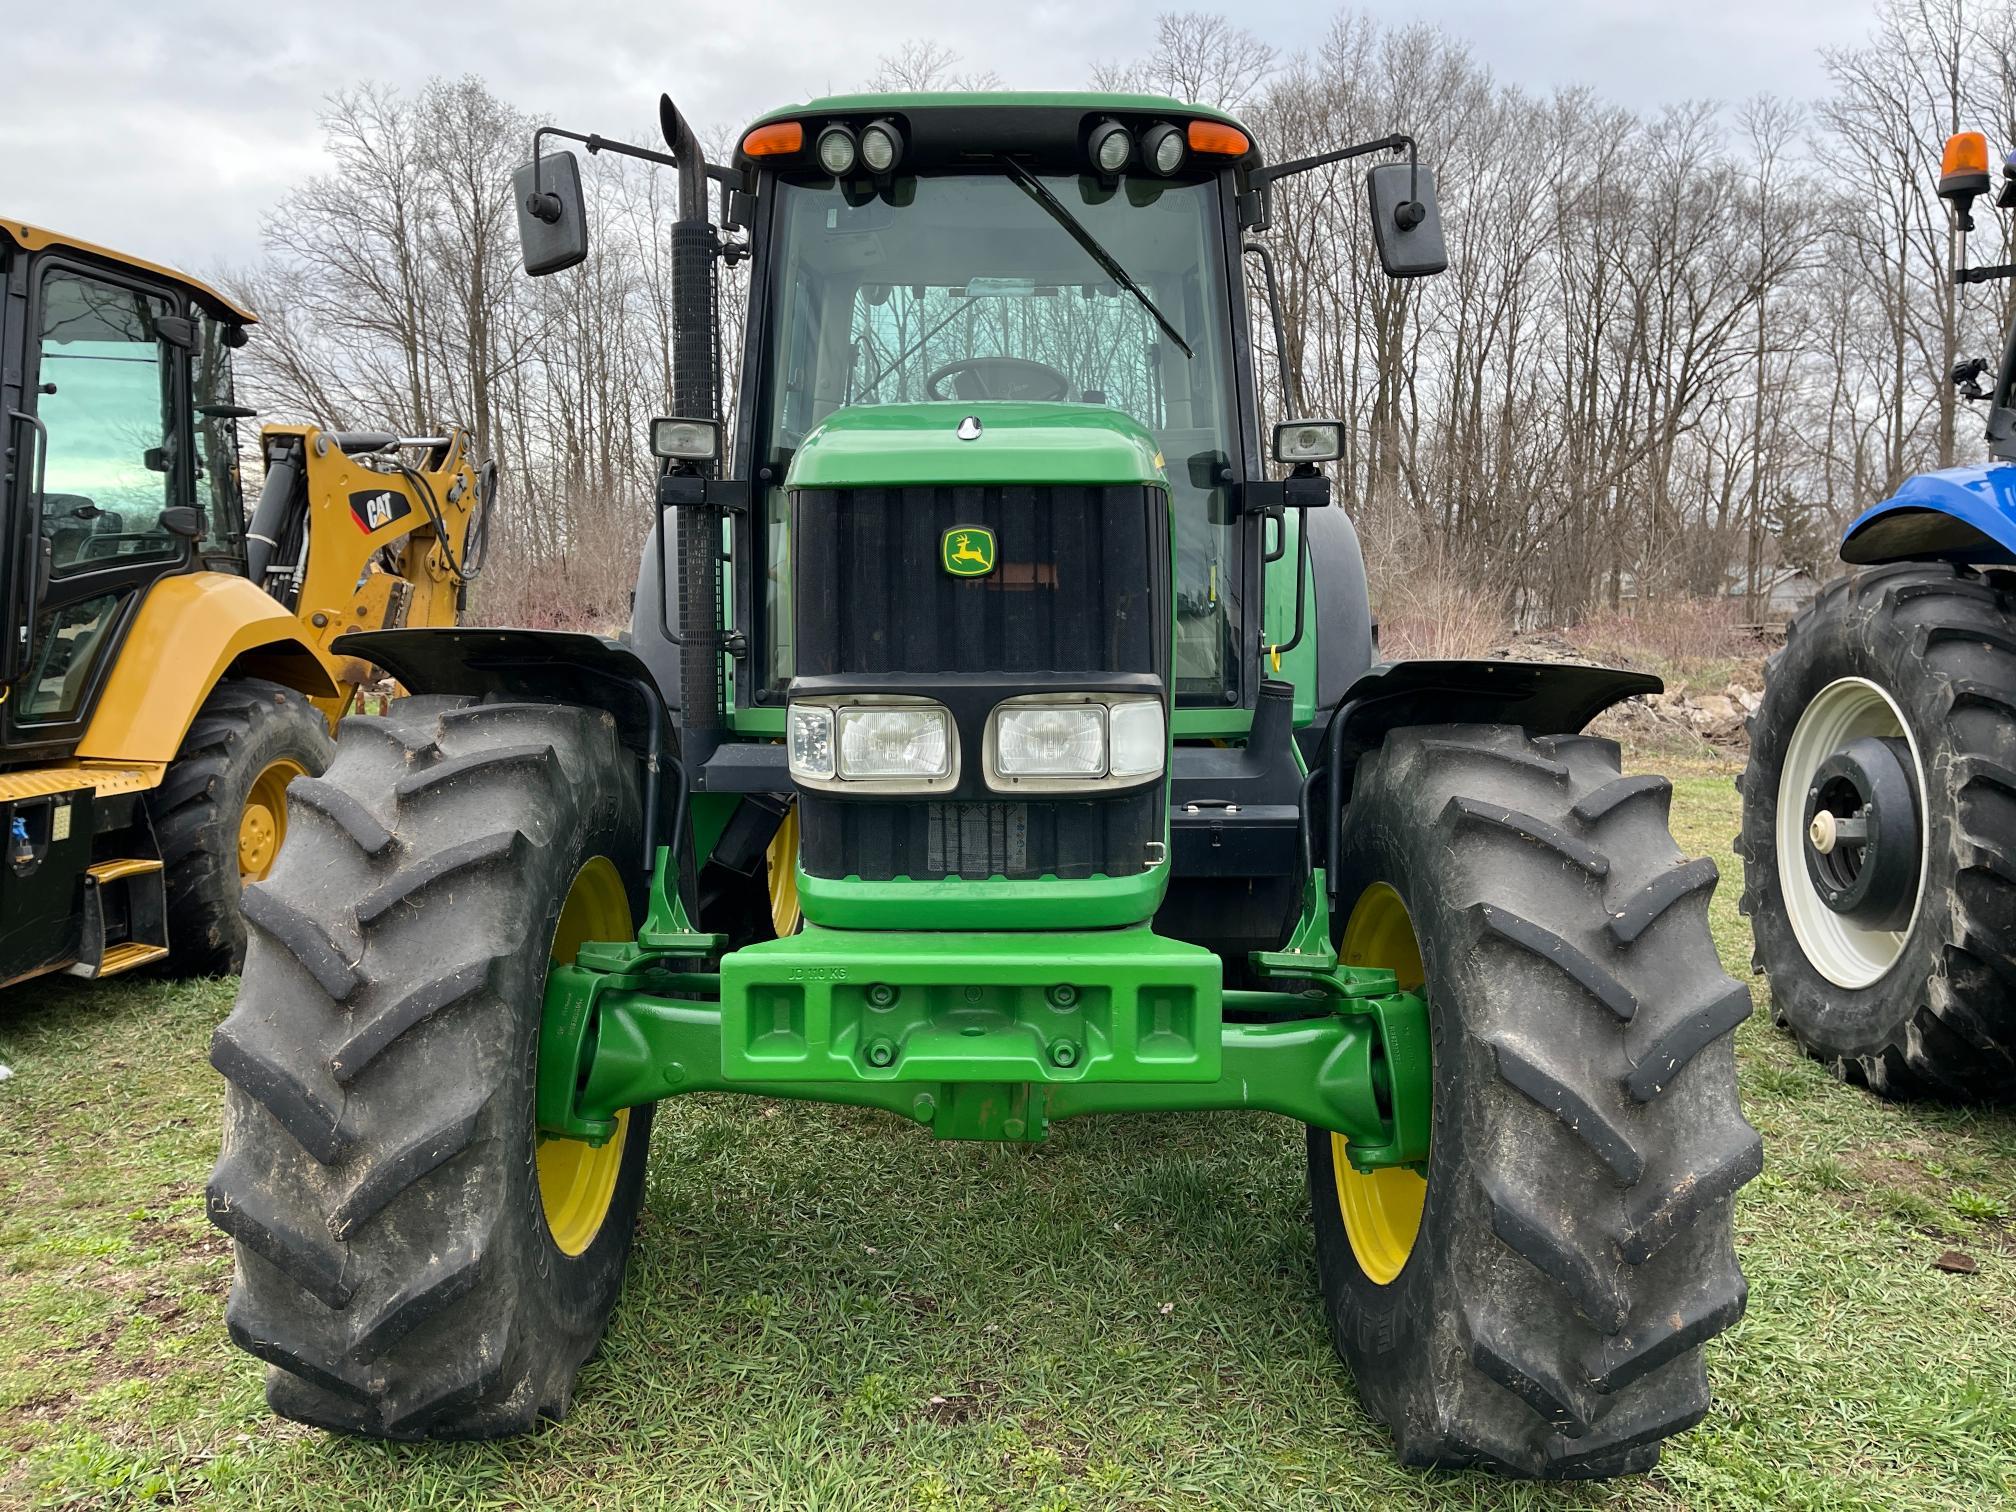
{"x": 1844, "y": 952}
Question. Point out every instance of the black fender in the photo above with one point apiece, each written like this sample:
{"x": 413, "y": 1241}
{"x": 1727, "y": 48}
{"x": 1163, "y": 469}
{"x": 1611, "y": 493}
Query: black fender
{"x": 653, "y": 606}
{"x": 1545, "y": 698}
{"x": 564, "y": 666}
{"x": 1344, "y": 646}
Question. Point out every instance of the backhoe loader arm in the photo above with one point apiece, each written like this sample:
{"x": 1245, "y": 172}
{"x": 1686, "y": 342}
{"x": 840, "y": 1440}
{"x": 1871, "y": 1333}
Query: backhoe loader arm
{"x": 368, "y": 531}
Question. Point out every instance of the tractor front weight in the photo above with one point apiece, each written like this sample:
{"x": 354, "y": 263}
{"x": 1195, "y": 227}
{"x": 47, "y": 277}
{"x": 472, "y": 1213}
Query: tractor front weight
{"x": 985, "y": 1035}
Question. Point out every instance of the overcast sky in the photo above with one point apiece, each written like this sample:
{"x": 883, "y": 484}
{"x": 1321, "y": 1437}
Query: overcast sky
{"x": 167, "y": 128}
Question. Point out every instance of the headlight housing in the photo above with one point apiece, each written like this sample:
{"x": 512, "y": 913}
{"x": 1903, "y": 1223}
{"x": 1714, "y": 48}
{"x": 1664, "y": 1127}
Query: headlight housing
{"x": 835, "y": 150}
{"x": 1075, "y": 742}
{"x": 879, "y": 742}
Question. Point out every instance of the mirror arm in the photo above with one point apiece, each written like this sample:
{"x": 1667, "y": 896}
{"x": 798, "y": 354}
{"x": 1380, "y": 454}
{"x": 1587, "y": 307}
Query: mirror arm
{"x": 1263, "y": 178}
{"x": 547, "y": 206}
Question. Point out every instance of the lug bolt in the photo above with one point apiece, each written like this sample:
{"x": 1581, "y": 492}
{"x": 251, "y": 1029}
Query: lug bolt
{"x": 1063, "y": 995}
{"x": 881, "y": 995}
{"x": 1064, "y": 1053}
{"x": 880, "y": 1052}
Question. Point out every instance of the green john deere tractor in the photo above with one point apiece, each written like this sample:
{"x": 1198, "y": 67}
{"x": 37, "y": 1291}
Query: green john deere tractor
{"x": 996, "y": 742}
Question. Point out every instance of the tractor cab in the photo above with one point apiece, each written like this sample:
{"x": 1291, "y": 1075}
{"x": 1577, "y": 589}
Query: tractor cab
{"x": 950, "y": 282}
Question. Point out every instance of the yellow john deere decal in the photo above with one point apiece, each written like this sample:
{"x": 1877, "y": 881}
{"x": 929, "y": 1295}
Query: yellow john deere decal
{"x": 968, "y": 551}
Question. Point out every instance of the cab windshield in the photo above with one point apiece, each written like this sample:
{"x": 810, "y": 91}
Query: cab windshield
{"x": 964, "y": 287}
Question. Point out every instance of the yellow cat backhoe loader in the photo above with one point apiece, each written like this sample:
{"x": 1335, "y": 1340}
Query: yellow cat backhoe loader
{"x": 165, "y": 669}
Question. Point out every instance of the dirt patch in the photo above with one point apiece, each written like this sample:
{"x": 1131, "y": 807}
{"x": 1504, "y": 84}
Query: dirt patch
{"x": 972, "y": 1399}
{"x": 1686, "y": 717}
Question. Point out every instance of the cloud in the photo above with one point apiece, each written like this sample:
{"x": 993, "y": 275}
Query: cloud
{"x": 171, "y": 130}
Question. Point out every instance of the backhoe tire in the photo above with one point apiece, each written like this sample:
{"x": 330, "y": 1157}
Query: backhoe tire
{"x": 1574, "y": 1247}
{"x": 1917, "y": 1005}
{"x": 397, "y": 1264}
{"x": 249, "y": 737}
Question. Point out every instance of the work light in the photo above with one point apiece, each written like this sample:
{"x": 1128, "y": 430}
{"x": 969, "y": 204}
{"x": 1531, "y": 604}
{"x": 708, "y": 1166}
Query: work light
{"x": 881, "y": 146}
{"x": 1162, "y": 148}
{"x": 1112, "y": 147}
{"x": 836, "y": 150}
{"x": 1304, "y": 441}
{"x": 679, "y": 440}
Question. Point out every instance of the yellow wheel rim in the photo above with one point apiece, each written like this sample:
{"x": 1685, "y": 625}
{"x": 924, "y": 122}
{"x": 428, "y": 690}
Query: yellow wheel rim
{"x": 262, "y": 823}
{"x": 785, "y": 914}
{"x": 1381, "y": 1209}
{"x": 577, "y": 1181}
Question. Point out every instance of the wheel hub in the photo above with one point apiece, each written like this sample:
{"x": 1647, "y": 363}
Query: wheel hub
{"x": 1382, "y": 1208}
{"x": 1862, "y": 832}
{"x": 1849, "y": 832}
{"x": 262, "y": 822}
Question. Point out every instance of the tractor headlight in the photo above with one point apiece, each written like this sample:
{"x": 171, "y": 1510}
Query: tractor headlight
{"x": 879, "y": 744}
{"x": 811, "y": 742}
{"x": 1050, "y": 740}
{"x": 1066, "y": 743}
{"x": 1137, "y": 740}
{"x": 887, "y": 742}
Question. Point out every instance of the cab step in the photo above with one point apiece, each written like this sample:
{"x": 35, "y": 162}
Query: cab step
{"x": 125, "y": 917}
{"x": 127, "y": 956}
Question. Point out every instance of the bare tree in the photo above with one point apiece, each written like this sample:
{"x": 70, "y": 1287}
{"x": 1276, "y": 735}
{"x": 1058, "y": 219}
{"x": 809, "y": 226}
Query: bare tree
{"x": 920, "y": 64}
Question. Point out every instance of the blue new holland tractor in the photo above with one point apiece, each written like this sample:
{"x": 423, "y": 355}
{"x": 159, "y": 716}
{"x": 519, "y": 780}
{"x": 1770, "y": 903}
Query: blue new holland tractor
{"x": 1879, "y": 804}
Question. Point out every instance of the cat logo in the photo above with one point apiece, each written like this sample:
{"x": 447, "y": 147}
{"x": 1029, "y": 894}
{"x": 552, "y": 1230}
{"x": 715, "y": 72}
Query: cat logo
{"x": 968, "y": 551}
{"x": 374, "y": 510}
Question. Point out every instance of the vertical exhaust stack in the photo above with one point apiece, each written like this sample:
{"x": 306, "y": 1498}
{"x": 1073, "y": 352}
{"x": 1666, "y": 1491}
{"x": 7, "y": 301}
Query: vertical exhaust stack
{"x": 693, "y": 393}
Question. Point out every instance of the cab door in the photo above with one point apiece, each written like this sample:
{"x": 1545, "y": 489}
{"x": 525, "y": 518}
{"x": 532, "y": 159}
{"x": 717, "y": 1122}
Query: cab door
{"x": 109, "y": 454}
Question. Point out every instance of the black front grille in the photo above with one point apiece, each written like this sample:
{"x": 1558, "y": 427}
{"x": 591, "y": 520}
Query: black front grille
{"x": 1073, "y": 589}
{"x": 931, "y": 838}
{"x": 1078, "y": 595}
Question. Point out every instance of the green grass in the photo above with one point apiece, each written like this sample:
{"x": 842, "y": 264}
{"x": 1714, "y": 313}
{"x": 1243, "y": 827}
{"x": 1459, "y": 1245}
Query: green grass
{"x": 827, "y": 1310}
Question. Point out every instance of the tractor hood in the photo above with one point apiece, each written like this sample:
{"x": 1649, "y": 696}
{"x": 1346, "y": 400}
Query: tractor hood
{"x": 1960, "y": 514}
{"x": 896, "y": 445}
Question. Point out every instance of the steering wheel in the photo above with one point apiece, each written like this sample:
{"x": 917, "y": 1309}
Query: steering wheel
{"x": 999, "y": 378}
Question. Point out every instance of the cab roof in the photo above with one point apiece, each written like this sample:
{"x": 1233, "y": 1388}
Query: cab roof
{"x": 35, "y": 239}
{"x": 1020, "y": 119}
{"x": 998, "y": 99}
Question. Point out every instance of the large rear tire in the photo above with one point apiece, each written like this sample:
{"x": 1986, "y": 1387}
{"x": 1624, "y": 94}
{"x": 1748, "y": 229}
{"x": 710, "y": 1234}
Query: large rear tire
{"x": 220, "y": 814}
{"x": 1920, "y": 659}
{"x": 1539, "y": 1306}
{"x": 412, "y": 1260}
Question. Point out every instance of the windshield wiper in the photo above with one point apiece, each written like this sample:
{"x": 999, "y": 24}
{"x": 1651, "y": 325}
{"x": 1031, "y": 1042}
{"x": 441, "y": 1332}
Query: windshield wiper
{"x": 1037, "y": 190}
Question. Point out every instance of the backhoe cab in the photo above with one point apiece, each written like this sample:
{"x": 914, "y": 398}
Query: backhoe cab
{"x": 165, "y": 669}
{"x": 997, "y": 741}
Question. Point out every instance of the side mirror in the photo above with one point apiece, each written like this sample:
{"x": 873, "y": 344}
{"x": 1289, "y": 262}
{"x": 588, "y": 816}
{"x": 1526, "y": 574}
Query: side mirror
{"x": 177, "y": 330}
{"x": 1406, "y": 226}
{"x": 181, "y": 520}
{"x": 552, "y": 217}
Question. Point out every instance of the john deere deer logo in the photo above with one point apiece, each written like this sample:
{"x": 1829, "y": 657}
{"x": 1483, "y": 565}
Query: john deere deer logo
{"x": 968, "y": 551}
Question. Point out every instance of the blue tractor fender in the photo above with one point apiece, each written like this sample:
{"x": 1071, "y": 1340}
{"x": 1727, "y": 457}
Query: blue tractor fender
{"x": 1959, "y": 514}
